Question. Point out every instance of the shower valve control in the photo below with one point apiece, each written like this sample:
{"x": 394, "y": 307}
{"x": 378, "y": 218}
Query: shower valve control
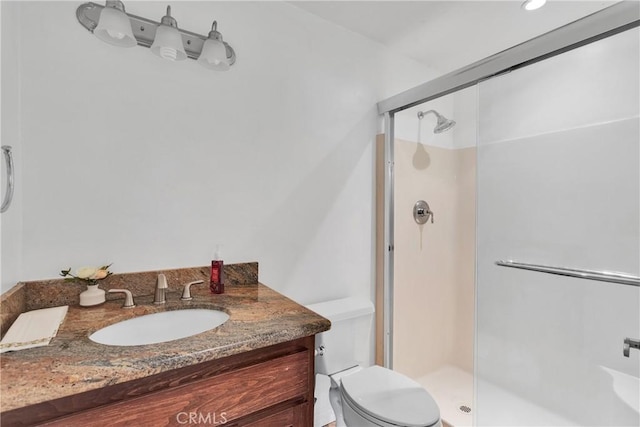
{"x": 422, "y": 212}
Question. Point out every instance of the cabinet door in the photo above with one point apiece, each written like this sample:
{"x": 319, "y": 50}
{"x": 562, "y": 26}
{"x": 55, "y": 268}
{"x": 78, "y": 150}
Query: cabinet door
{"x": 214, "y": 401}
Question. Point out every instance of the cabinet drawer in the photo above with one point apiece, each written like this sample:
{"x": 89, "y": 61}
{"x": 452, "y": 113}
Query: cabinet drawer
{"x": 292, "y": 417}
{"x": 211, "y": 401}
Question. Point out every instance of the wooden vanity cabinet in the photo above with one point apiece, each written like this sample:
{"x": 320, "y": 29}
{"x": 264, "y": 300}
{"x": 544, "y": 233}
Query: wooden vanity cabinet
{"x": 272, "y": 386}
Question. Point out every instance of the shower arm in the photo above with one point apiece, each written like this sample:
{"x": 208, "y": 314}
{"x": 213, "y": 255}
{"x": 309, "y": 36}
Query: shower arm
{"x": 421, "y": 114}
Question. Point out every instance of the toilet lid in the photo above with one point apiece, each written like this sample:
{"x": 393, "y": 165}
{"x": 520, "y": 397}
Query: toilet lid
{"x": 391, "y": 397}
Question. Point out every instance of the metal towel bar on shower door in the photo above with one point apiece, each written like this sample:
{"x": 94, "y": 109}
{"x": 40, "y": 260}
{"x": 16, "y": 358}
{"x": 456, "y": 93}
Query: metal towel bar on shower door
{"x": 603, "y": 276}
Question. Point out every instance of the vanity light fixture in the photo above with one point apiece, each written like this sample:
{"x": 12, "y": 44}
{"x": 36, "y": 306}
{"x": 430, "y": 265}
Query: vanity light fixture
{"x": 114, "y": 26}
{"x": 167, "y": 43}
{"x": 164, "y": 38}
{"x": 214, "y": 52}
{"x": 533, "y": 4}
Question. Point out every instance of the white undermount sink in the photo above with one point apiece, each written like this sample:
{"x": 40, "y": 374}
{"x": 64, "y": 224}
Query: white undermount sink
{"x": 159, "y": 327}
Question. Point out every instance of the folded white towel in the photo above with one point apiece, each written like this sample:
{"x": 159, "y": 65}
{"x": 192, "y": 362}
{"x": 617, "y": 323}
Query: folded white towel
{"x": 33, "y": 329}
{"x": 323, "y": 413}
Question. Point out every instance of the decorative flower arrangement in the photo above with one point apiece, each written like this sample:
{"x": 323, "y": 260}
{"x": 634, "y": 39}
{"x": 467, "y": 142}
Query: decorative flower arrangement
{"x": 90, "y": 275}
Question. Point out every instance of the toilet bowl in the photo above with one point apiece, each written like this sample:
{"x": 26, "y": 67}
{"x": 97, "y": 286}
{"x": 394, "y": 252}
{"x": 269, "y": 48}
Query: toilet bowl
{"x": 373, "y": 396}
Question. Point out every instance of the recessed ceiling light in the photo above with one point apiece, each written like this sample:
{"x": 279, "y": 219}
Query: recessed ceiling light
{"x": 533, "y": 4}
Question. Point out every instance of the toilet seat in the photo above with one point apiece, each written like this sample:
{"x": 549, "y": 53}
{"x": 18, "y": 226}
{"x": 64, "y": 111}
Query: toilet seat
{"x": 388, "y": 398}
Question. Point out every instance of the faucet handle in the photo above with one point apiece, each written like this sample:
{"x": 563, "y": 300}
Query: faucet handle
{"x": 161, "y": 289}
{"x": 186, "y": 292}
{"x": 161, "y": 282}
{"x": 128, "y": 298}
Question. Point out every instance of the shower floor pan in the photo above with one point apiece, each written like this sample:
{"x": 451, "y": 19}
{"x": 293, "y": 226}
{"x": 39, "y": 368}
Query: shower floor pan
{"x": 452, "y": 388}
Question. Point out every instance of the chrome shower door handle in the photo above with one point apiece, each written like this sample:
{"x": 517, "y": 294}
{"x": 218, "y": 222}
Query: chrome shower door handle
{"x": 628, "y": 345}
{"x": 8, "y": 196}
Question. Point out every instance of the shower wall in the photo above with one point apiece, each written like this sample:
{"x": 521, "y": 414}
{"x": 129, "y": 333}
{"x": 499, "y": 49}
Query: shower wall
{"x": 434, "y": 263}
{"x": 559, "y": 185}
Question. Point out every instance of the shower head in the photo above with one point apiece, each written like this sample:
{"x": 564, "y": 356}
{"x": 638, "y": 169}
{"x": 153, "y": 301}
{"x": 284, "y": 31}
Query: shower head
{"x": 443, "y": 124}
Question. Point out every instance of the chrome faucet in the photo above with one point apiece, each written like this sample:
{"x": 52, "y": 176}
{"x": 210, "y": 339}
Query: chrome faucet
{"x": 161, "y": 289}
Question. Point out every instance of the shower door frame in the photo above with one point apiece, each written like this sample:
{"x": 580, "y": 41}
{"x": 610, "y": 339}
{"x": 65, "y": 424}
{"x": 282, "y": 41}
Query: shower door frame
{"x": 599, "y": 25}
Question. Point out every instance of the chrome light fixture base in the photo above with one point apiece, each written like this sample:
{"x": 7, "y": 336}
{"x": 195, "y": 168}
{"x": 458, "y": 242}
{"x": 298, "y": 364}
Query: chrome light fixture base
{"x": 144, "y": 31}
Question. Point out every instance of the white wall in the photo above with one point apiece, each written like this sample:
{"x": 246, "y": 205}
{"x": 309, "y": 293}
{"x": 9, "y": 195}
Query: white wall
{"x": 559, "y": 184}
{"x": 130, "y": 159}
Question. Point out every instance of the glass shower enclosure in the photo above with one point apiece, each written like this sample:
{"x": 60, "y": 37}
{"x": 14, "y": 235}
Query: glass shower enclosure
{"x": 559, "y": 189}
{"x": 556, "y": 174}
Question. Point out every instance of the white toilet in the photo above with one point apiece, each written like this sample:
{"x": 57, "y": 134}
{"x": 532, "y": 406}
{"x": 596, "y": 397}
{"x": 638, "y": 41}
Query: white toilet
{"x": 372, "y": 396}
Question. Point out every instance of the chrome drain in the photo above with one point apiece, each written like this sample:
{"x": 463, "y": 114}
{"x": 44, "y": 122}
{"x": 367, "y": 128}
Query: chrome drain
{"x": 465, "y": 409}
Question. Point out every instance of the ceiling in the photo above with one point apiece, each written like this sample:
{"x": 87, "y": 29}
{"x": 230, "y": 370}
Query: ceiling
{"x": 447, "y": 35}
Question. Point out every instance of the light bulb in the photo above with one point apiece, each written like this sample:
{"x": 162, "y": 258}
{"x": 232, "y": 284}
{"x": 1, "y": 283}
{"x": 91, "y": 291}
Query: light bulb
{"x": 116, "y": 34}
{"x": 168, "y": 53}
{"x": 167, "y": 43}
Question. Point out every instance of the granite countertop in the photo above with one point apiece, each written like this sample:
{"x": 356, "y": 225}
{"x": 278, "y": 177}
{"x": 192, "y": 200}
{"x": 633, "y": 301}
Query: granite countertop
{"x": 71, "y": 363}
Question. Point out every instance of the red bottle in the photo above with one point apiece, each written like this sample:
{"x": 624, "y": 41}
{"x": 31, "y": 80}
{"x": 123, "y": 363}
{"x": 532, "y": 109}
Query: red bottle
{"x": 216, "y": 285}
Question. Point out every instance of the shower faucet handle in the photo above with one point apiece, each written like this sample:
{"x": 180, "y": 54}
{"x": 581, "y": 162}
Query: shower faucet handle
{"x": 422, "y": 212}
{"x": 628, "y": 345}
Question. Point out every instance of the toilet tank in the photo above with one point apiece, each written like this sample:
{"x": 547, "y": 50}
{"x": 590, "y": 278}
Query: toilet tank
{"x": 347, "y": 343}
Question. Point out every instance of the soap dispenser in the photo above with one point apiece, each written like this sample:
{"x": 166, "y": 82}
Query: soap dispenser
{"x": 216, "y": 284}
